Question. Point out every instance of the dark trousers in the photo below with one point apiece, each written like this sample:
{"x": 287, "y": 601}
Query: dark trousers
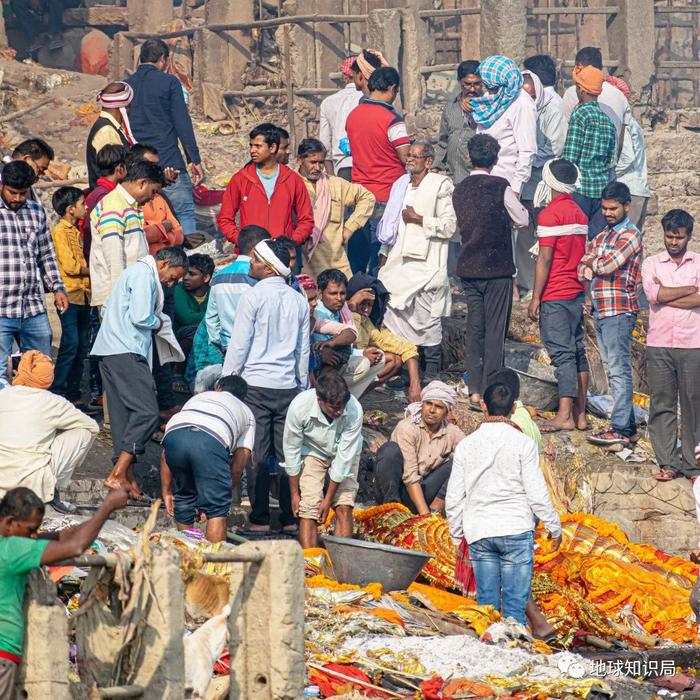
{"x": 269, "y": 406}
{"x": 95, "y": 377}
{"x": 388, "y": 478}
{"x": 74, "y": 348}
{"x": 561, "y": 328}
{"x": 674, "y": 376}
{"x": 489, "y": 303}
{"x": 591, "y": 208}
{"x": 163, "y": 374}
{"x": 131, "y": 400}
{"x": 363, "y": 247}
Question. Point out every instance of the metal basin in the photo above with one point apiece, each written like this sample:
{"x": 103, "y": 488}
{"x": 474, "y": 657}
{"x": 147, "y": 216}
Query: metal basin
{"x": 360, "y": 562}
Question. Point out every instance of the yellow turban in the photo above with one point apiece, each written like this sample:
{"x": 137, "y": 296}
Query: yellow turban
{"x": 589, "y": 79}
{"x": 35, "y": 370}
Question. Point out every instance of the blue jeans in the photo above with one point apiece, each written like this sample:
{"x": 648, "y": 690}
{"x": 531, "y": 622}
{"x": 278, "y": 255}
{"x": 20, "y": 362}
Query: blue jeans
{"x": 33, "y": 333}
{"x": 503, "y": 572}
{"x": 182, "y": 200}
{"x": 74, "y": 348}
{"x": 614, "y": 335}
{"x": 201, "y": 469}
{"x": 363, "y": 247}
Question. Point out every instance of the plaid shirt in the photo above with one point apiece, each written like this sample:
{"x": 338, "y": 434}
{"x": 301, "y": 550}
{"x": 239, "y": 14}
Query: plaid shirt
{"x": 591, "y": 143}
{"x": 27, "y": 261}
{"x": 611, "y": 263}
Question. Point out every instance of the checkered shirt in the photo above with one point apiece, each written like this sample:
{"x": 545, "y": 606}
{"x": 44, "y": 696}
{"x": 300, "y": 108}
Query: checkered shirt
{"x": 591, "y": 143}
{"x": 611, "y": 263}
{"x": 27, "y": 261}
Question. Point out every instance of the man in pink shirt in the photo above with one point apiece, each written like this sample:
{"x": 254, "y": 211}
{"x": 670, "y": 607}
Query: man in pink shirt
{"x": 671, "y": 282}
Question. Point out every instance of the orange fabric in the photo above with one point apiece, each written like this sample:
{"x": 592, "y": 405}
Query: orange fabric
{"x": 155, "y": 213}
{"x": 589, "y": 79}
{"x": 94, "y": 53}
{"x": 35, "y": 370}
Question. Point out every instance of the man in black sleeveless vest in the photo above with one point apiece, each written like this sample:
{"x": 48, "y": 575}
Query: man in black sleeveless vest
{"x": 487, "y": 210}
{"x": 112, "y": 125}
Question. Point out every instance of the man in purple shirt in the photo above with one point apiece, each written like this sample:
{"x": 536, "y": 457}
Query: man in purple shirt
{"x": 671, "y": 282}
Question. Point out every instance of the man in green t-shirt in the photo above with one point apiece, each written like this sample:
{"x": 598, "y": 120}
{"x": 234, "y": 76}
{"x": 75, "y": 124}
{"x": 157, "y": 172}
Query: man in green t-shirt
{"x": 21, "y": 550}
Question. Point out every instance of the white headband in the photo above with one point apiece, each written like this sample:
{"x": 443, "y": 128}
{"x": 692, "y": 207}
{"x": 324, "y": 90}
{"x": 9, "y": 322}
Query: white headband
{"x": 264, "y": 252}
{"x": 549, "y": 183}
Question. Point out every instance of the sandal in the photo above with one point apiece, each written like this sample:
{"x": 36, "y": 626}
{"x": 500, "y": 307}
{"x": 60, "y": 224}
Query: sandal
{"x": 608, "y": 437}
{"x": 667, "y": 475}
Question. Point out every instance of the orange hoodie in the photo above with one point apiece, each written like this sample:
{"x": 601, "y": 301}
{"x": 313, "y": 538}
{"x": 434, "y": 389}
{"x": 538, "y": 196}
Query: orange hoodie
{"x": 156, "y": 213}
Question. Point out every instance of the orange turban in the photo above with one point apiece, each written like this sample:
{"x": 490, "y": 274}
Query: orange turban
{"x": 366, "y": 68}
{"x": 589, "y": 79}
{"x": 35, "y": 370}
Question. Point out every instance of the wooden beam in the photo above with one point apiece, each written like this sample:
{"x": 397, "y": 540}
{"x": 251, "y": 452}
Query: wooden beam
{"x": 96, "y": 16}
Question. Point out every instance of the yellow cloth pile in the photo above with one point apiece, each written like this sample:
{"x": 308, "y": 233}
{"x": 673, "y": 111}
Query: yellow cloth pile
{"x": 598, "y": 581}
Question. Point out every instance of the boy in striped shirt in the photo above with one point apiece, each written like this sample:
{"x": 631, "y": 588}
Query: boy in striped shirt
{"x": 118, "y": 239}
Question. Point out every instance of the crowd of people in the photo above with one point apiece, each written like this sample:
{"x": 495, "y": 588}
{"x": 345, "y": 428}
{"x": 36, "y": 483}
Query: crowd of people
{"x": 341, "y": 279}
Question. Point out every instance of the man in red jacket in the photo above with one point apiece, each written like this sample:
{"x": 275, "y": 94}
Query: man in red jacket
{"x": 266, "y": 193}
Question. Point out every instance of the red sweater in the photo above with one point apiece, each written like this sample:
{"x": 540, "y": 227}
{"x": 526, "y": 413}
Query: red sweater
{"x": 246, "y": 195}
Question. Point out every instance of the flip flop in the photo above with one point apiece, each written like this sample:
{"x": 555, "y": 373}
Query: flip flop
{"x": 551, "y": 640}
{"x": 667, "y": 475}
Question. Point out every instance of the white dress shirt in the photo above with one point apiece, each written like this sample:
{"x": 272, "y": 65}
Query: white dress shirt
{"x": 269, "y": 344}
{"x": 219, "y": 414}
{"x": 516, "y": 132}
{"x": 308, "y": 432}
{"x": 611, "y": 100}
{"x": 333, "y": 115}
{"x": 632, "y": 164}
{"x": 497, "y": 486}
{"x": 517, "y": 212}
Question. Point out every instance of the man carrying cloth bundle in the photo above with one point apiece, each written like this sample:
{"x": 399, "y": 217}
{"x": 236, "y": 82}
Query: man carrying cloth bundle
{"x": 558, "y": 294}
{"x": 414, "y": 467}
{"x": 111, "y": 127}
{"x": 591, "y": 145}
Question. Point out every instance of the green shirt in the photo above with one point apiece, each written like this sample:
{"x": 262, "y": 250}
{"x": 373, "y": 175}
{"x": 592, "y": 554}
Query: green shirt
{"x": 18, "y": 556}
{"x": 524, "y": 421}
{"x": 188, "y": 310}
{"x": 591, "y": 143}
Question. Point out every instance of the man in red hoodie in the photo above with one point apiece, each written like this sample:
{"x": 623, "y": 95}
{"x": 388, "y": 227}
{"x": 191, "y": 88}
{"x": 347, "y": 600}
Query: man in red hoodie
{"x": 266, "y": 193}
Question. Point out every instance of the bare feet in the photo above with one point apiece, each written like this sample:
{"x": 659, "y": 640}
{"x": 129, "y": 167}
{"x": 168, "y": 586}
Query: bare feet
{"x": 555, "y": 425}
{"x": 114, "y": 482}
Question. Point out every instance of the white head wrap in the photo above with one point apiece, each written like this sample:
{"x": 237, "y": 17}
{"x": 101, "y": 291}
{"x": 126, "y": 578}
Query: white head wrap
{"x": 549, "y": 184}
{"x": 264, "y": 252}
{"x": 119, "y": 100}
{"x": 435, "y": 391}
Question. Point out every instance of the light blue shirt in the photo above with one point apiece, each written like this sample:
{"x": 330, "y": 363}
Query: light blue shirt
{"x": 269, "y": 344}
{"x": 268, "y": 181}
{"x": 632, "y": 163}
{"x": 226, "y": 289}
{"x": 308, "y": 432}
{"x": 325, "y": 314}
{"x": 129, "y": 314}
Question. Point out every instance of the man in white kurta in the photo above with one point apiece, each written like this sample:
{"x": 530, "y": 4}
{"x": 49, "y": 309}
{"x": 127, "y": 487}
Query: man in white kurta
{"x": 43, "y": 437}
{"x": 415, "y": 232}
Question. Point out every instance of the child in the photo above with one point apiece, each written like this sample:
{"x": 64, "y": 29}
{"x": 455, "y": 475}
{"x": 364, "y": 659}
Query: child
{"x": 611, "y": 267}
{"x": 558, "y": 294}
{"x": 191, "y": 298}
{"x": 69, "y": 204}
{"x": 111, "y": 166}
{"x": 21, "y": 551}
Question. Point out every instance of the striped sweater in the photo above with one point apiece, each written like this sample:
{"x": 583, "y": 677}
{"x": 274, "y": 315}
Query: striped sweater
{"x": 118, "y": 240}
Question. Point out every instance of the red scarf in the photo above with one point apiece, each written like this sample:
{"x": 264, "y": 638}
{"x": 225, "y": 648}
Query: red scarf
{"x": 464, "y": 571}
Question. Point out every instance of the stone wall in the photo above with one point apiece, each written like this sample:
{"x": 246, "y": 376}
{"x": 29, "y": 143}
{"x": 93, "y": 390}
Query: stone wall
{"x": 673, "y": 157}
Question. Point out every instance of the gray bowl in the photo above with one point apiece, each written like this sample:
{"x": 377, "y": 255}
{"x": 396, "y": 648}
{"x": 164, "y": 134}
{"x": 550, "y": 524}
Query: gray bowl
{"x": 360, "y": 563}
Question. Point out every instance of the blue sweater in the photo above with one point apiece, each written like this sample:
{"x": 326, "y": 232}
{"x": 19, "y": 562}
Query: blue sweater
{"x": 158, "y": 116}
